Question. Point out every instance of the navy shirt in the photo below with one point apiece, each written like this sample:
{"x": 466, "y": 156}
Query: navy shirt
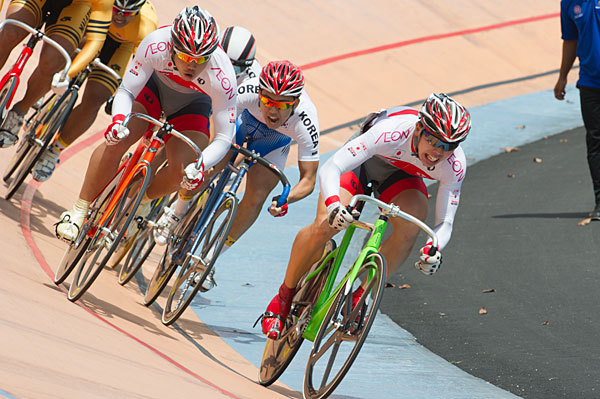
{"x": 580, "y": 20}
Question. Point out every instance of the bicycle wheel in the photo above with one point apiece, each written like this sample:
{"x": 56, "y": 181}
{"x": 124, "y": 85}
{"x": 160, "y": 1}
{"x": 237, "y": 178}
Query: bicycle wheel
{"x": 213, "y": 238}
{"x": 162, "y": 274}
{"x": 278, "y": 354}
{"x": 343, "y": 331}
{"x": 40, "y": 139}
{"x": 108, "y": 236}
{"x": 75, "y": 250}
{"x": 6, "y": 93}
{"x": 26, "y": 142}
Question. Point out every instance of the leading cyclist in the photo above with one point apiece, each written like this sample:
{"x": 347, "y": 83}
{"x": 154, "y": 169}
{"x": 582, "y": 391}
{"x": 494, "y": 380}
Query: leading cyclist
{"x": 179, "y": 70}
{"x": 395, "y": 148}
{"x": 132, "y": 21}
{"x": 66, "y": 21}
{"x": 274, "y": 109}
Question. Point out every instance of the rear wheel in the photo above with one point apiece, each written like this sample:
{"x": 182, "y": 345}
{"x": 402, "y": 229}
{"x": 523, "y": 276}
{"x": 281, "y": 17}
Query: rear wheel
{"x": 38, "y": 140}
{"x": 196, "y": 266}
{"x": 344, "y": 330}
{"x": 108, "y": 236}
{"x": 279, "y": 353}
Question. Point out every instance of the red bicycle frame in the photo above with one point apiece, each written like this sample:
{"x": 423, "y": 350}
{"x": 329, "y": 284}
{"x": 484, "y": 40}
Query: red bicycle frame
{"x": 25, "y": 55}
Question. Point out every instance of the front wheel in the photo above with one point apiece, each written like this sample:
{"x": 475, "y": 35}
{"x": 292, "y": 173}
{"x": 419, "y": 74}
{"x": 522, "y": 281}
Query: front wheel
{"x": 344, "y": 330}
{"x": 108, "y": 236}
{"x": 279, "y": 353}
{"x": 39, "y": 140}
{"x": 199, "y": 262}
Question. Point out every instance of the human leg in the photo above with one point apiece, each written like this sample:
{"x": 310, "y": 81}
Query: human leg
{"x": 590, "y": 110}
{"x": 307, "y": 249}
{"x": 398, "y": 245}
{"x": 12, "y": 35}
{"x": 80, "y": 119}
{"x": 102, "y": 166}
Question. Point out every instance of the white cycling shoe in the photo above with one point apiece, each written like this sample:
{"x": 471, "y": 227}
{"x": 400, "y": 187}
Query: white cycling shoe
{"x": 44, "y": 167}
{"x": 9, "y": 131}
{"x": 69, "y": 226}
{"x": 208, "y": 283}
{"x": 165, "y": 225}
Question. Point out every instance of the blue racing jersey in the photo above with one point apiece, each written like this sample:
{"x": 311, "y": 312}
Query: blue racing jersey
{"x": 580, "y": 20}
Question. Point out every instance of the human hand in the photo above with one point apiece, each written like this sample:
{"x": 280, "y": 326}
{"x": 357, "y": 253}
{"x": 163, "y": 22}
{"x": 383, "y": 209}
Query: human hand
{"x": 338, "y": 216}
{"x": 559, "y": 89}
{"x": 278, "y": 211}
{"x": 192, "y": 176}
{"x": 429, "y": 264}
{"x": 60, "y": 83}
{"x": 116, "y": 132}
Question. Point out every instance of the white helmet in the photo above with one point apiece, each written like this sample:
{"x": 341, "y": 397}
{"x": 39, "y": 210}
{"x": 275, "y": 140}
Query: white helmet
{"x": 240, "y": 46}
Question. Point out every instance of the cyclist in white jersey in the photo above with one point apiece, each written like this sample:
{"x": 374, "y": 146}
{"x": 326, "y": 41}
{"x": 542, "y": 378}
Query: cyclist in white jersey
{"x": 274, "y": 109}
{"x": 240, "y": 46}
{"x": 180, "y": 71}
{"x": 395, "y": 149}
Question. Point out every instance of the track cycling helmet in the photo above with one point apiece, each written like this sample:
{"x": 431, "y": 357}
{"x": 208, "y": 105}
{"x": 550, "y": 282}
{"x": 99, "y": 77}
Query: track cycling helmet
{"x": 282, "y": 78}
{"x": 445, "y": 118}
{"x": 130, "y": 4}
{"x": 195, "y": 32}
{"x": 240, "y": 46}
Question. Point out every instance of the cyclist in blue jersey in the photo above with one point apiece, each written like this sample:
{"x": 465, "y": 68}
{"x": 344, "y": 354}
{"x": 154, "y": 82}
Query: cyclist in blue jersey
{"x": 274, "y": 108}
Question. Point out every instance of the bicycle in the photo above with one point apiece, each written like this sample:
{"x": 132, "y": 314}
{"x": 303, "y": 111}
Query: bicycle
{"x": 203, "y": 229}
{"x": 11, "y": 80}
{"x": 113, "y": 210}
{"x": 43, "y": 125}
{"x": 325, "y": 315}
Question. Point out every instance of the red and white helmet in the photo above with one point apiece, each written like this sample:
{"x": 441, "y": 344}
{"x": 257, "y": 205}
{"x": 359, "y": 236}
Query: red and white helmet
{"x": 282, "y": 78}
{"x": 195, "y": 32}
{"x": 445, "y": 118}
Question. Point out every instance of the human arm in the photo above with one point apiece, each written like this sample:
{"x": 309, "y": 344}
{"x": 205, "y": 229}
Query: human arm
{"x": 569, "y": 53}
{"x": 305, "y": 186}
{"x": 96, "y": 30}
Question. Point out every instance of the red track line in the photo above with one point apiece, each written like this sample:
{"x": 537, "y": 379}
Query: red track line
{"x": 25, "y": 219}
{"x": 425, "y": 39}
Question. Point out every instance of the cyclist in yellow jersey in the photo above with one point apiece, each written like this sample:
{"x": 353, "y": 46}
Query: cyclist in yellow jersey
{"x": 66, "y": 22}
{"x": 132, "y": 20}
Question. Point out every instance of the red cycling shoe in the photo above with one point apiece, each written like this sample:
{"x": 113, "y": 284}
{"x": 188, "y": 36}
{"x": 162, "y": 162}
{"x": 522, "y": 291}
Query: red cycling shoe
{"x": 273, "y": 319}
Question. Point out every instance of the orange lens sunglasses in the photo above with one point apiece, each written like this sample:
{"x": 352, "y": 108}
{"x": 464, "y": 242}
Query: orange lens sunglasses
{"x": 188, "y": 58}
{"x": 125, "y": 13}
{"x": 282, "y": 105}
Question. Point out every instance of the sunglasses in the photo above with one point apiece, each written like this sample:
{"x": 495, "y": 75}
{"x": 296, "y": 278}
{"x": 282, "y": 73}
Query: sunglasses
{"x": 188, "y": 58}
{"x": 125, "y": 13}
{"x": 437, "y": 143}
{"x": 282, "y": 105}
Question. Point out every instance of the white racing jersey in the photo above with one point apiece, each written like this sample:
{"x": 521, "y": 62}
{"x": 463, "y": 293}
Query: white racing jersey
{"x": 391, "y": 139}
{"x": 302, "y": 126}
{"x": 217, "y": 80}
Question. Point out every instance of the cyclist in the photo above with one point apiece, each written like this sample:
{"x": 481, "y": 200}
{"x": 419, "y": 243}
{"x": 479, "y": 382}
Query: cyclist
{"x": 274, "y": 109}
{"x": 240, "y": 46}
{"x": 395, "y": 148}
{"x": 181, "y": 71}
{"x": 132, "y": 21}
{"x": 66, "y": 21}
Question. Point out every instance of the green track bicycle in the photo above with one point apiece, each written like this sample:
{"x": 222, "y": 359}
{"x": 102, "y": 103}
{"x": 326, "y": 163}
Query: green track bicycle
{"x": 324, "y": 314}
